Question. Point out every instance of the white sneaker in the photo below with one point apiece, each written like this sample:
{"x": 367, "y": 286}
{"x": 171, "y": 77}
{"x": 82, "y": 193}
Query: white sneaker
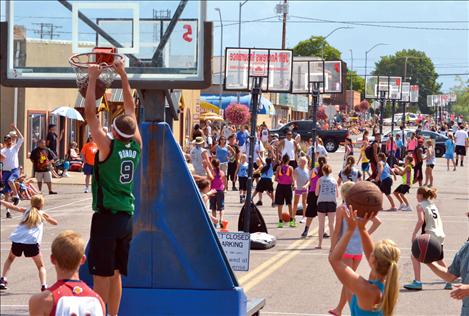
{"x": 87, "y": 190}
{"x": 401, "y": 207}
{"x": 407, "y": 208}
{"x": 302, "y": 220}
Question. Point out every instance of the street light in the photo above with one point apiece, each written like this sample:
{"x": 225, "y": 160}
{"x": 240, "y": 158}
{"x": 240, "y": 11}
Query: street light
{"x": 366, "y": 54}
{"x": 221, "y": 57}
{"x": 330, "y": 33}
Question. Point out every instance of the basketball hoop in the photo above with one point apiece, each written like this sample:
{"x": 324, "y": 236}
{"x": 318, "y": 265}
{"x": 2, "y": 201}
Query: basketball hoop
{"x": 103, "y": 56}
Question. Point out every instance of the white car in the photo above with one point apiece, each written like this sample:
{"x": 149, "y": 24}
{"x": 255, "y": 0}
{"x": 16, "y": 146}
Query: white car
{"x": 411, "y": 119}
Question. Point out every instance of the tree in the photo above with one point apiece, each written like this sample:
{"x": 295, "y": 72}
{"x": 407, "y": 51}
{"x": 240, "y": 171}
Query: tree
{"x": 313, "y": 47}
{"x": 357, "y": 82}
{"x": 461, "y": 106}
{"x": 420, "y": 71}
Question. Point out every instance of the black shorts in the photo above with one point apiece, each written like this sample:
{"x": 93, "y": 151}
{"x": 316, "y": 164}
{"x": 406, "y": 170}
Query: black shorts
{"x": 312, "y": 205}
{"x": 265, "y": 184}
{"x": 293, "y": 164}
{"x": 232, "y": 170}
{"x": 403, "y": 189}
{"x": 386, "y": 185}
{"x": 29, "y": 250}
{"x": 109, "y": 243}
{"x": 217, "y": 201}
{"x": 243, "y": 183}
{"x": 327, "y": 207}
{"x": 460, "y": 150}
{"x": 283, "y": 194}
{"x": 430, "y": 165}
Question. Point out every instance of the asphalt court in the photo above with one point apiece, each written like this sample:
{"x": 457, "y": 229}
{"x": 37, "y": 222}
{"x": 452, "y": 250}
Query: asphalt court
{"x": 294, "y": 278}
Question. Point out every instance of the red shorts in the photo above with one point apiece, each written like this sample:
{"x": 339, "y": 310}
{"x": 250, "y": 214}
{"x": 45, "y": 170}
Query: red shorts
{"x": 353, "y": 257}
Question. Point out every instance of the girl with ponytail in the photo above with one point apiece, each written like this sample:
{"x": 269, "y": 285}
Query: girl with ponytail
{"x": 349, "y": 172}
{"x": 377, "y": 295}
{"x": 27, "y": 237}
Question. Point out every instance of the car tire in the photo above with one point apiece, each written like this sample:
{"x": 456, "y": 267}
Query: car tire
{"x": 331, "y": 145}
{"x": 439, "y": 151}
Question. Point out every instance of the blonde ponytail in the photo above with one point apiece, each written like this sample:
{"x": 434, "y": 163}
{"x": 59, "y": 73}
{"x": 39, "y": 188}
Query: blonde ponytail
{"x": 34, "y": 218}
{"x": 387, "y": 255}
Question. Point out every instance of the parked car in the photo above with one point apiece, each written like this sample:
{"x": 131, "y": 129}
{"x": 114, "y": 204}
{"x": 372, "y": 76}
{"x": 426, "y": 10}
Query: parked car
{"x": 438, "y": 139}
{"x": 331, "y": 138}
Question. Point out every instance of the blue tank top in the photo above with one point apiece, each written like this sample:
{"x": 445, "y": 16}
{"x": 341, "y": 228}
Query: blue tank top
{"x": 222, "y": 154}
{"x": 386, "y": 172}
{"x": 355, "y": 310}
{"x": 243, "y": 170}
{"x": 354, "y": 246}
{"x": 268, "y": 174}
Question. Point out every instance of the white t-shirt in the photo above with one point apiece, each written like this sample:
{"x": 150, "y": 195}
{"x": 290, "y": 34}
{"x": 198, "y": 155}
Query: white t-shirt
{"x": 289, "y": 149}
{"x": 25, "y": 235}
{"x": 265, "y": 135}
{"x": 11, "y": 156}
{"x": 460, "y": 137}
{"x": 196, "y": 159}
{"x": 320, "y": 150}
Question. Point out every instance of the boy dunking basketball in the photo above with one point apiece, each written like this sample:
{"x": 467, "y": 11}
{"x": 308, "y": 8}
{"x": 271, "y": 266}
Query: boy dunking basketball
{"x": 113, "y": 201}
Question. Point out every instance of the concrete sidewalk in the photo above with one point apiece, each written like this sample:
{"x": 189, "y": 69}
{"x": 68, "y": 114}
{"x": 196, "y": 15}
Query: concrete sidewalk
{"x": 75, "y": 178}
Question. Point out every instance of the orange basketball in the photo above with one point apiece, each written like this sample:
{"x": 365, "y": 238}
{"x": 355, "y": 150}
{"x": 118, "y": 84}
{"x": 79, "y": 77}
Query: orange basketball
{"x": 285, "y": 217}
{"x": 99, "y": 91}
{"x": 365, "y": 197}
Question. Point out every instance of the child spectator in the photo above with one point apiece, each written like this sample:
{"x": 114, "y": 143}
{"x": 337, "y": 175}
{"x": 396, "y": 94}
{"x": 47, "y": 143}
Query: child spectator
{"x": 27, "y": 237}
{"x": 69, "y": 295}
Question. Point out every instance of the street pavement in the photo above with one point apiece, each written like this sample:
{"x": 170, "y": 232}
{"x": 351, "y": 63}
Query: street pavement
{"x": 294, "y": 278}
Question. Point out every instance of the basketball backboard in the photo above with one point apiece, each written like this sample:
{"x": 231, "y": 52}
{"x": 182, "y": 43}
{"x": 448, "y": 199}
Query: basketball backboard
{"x": 414, "y": 93}
{"x": 243, "y": 64}
{"x": 405, "y": 92}
{"x": 159, "y": 51}
{"x": 390, "y": 85}
{"x": 307, "y": 70}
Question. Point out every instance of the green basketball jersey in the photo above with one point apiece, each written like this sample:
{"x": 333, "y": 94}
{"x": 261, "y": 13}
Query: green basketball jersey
{"x": 113, "y": 178}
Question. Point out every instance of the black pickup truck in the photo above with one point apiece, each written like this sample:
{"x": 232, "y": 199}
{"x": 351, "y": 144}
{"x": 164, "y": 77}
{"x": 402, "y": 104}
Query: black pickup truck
{"x": 331, "y": 138}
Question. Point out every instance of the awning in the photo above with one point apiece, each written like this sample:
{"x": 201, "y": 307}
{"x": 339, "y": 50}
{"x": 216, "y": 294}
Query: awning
{"x": 209, "y": 107}
{"x": 266, "y": 107}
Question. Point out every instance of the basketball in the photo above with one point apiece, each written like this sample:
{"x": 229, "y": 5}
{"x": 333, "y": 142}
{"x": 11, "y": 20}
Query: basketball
{"x": 99, "y": 91}
{"x": 426, "y": 248}
{"x": 285, "y": 217}
{"x": 365, "y": 197}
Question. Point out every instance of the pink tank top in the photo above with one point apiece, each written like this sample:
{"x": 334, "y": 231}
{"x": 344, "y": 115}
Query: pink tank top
{"x": 284, "y": 176}
{"x": 217, "y": 182}
{"x": 314, "y": 180}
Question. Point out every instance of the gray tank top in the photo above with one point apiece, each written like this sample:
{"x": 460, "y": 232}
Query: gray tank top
{"x": 302, "y": 177}
{"x": 328, "y": 189}
{"x": 354, "y": 246}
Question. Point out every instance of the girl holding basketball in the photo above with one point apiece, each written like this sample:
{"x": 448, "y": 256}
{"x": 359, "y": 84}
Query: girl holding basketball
{"x": 428, "y": 222}
{"x": 284, "y": 194}
{"x": 377, "y": 295}
{"x": 353, "y": 253}
{"x": 407, "y": 180}
{"x": 327, "y": 193}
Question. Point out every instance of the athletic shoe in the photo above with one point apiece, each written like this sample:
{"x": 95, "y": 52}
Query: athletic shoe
{"x": 448, "y": 286}
{"x": 304, "y": 234}
{"x": 15, "y": 200}
{"x": 292, "y": 223}
{"x": 392, "y": 209}
{"x": 259, "y": 203}
{"x": 407, "y": 208}
{"x": 401, "y": 207}
{"x": 52, "y": 192}
{"x": 325, "y": 235}
{"x": 3, "y": 283}
{"x": 414, "y": 286}
{"x": 234, "y": 189}
{"x": 43, "y": 287}
{"x": 280, "y": 224}
{"x": 8, "y": 214}
{"x": 302, "y": 220}
{"x": 86, "y": 190}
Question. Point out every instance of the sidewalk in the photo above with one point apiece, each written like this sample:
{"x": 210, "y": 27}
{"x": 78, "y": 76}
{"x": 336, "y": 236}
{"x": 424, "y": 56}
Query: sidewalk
{"x": 75, "y": 178}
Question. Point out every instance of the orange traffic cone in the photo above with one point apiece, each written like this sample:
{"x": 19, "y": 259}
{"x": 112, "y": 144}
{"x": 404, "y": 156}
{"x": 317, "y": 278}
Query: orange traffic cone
{"x": 224, "y": 226}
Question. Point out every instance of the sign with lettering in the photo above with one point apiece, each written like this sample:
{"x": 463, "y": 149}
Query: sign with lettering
{"x": 236, "y": 246}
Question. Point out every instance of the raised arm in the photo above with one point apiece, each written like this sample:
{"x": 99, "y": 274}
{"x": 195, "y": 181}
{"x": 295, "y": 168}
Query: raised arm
{"x": 12, "y": 206}
{"x": 129, "y": 104}
{"x": 49, "y": 219}
{"x": 96, "y": 130}
{"x": 20, "y": 136}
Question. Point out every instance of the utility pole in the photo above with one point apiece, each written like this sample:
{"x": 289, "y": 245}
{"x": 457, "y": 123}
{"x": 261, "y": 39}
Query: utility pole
{"x": 351, "y": 81}
{"x": 47, "y": 30}
{"x": 284, "y": 23}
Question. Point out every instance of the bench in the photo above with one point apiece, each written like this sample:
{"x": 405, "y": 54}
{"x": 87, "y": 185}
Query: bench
{"x": 254, "y": 306}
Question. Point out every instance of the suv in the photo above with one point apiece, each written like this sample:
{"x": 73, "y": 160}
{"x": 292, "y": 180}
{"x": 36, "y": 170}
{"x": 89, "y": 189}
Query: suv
{"x": 331, "y": 138}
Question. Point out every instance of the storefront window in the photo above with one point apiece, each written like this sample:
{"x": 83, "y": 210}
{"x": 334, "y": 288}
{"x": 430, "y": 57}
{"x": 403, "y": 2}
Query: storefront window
{"x": 37, "y": 129}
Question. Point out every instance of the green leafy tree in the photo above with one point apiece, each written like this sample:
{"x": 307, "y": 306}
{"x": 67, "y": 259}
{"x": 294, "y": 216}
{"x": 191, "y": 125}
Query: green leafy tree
{"x": 461, "y": 106}
{"x": 420, "y": 71}
{"x": 313, "y": 47}
{"x": 358, "y": 83}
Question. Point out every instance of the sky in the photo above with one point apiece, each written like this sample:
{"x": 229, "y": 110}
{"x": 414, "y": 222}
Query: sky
{"x": 448, "y": 48}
